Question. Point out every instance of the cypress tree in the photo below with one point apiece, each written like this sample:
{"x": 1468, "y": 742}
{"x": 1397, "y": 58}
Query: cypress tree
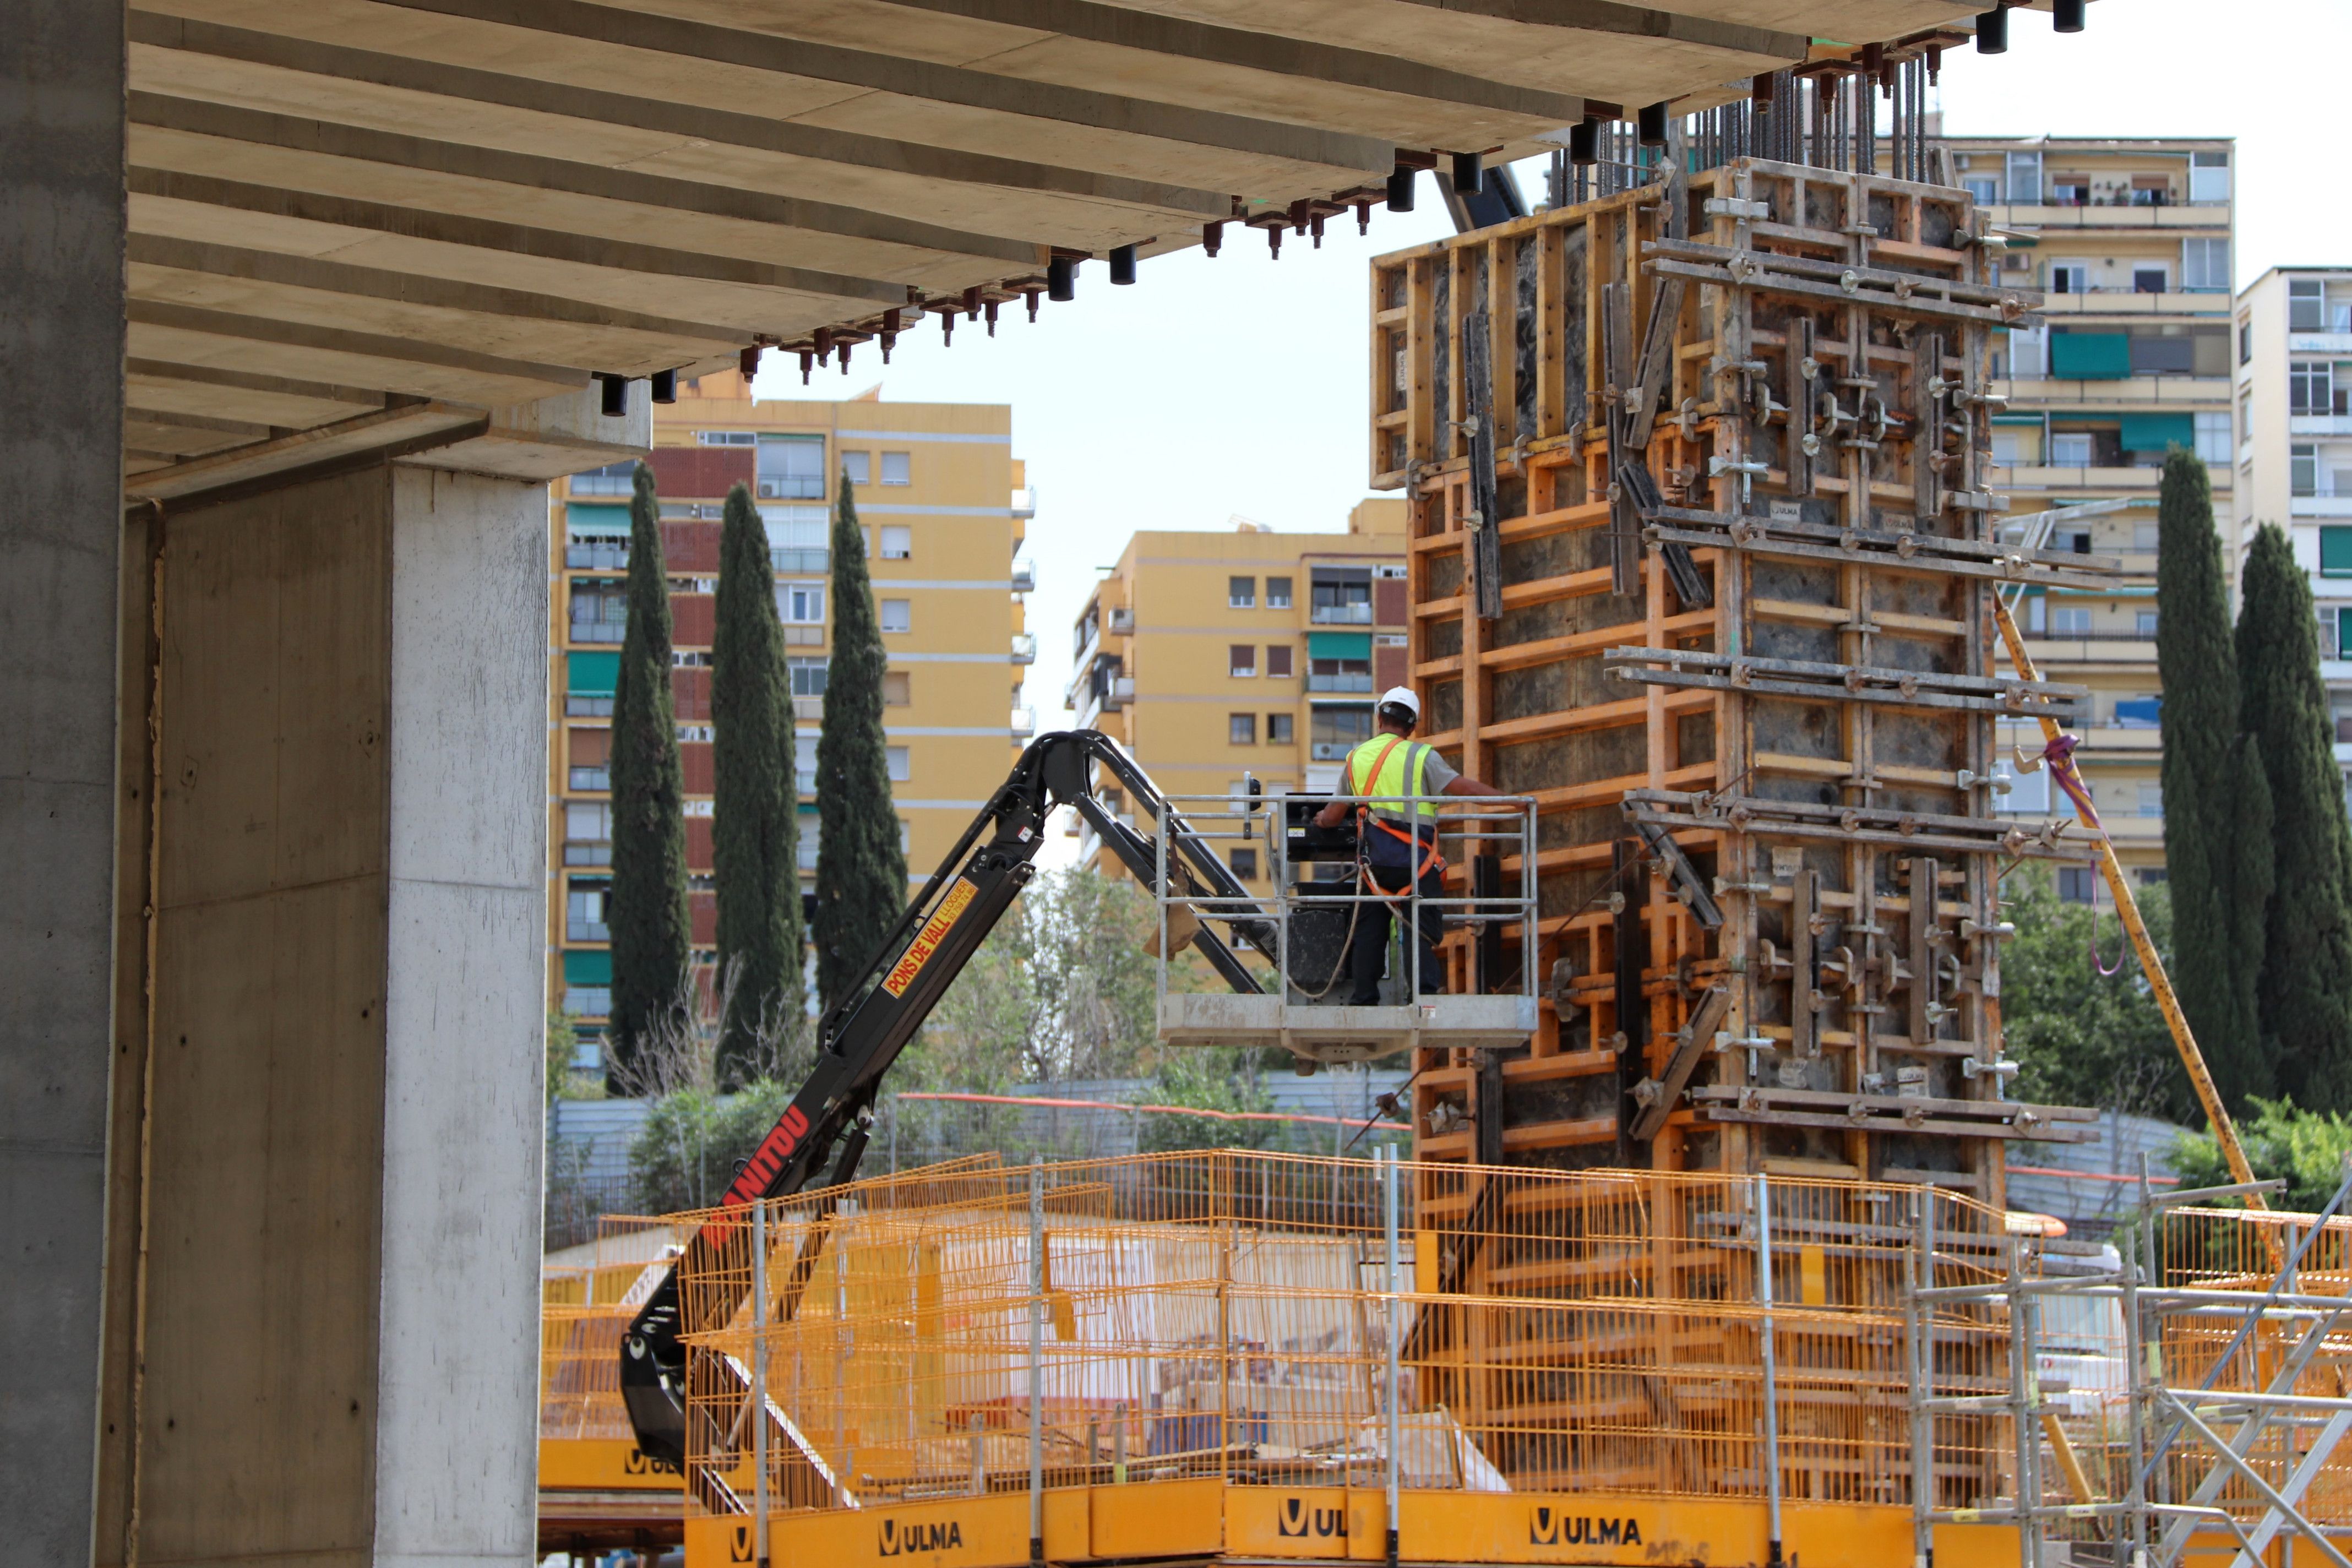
{"x": 755, "y": 839}
{"x": 2305, "y": 993}
{"x": 861, "y": 870}
{"x": 2219, "y": 868}
{"x": 651, "y": 935}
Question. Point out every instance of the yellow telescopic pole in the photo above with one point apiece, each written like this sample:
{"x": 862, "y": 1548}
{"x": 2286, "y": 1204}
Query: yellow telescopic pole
{"x": 2225, "y": 1131}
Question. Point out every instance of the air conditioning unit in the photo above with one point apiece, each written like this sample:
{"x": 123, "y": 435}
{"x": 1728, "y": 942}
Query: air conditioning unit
{"x": 770, "y": 490}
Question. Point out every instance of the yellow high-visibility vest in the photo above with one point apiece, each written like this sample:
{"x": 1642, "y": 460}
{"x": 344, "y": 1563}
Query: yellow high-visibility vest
{"x": 1388, "y": 768}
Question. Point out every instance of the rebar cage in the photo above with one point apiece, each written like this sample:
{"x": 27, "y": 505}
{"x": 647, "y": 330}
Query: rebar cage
{"x": 1475, "y": 987}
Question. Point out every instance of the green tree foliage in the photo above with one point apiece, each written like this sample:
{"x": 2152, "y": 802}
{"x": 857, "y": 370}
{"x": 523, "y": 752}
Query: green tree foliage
{"x": 2080, "y": 1038}
{"x": 1062, "y": 988}
{"x": 2305, "y": 993}
{"x": 2307, "y": 1148}
{"x": 2213, "y": 784}
{"x": 646, "y": 907}
{"x": 686, "y": 1151}
{"x": 1208, "y": 1079}
{"x": 861, "y": 868}
{"x": 755, "y": 839}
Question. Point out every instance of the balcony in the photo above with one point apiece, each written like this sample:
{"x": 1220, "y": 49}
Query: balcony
{"x": 603, "y": 484}
{"x": 2032, "y": 394}
{"x": 598, "y": 631}
{"x": 808, "y": 709}
{"x": 806, "y": 563}
{"x": 1332, "y": 750}
{"x": 593, "y": 854}
{"x": 577, "y": 706}
{"x": 1024, "y": 723}
{"x": 1024, "y": 501}
{"x": 800, "y": 635}
{"x": 1024, "y": 577}
{"x": 1118, "y": 692}
{"x": 1025, "y": 647}
{"x": 1355, "y": 615}
{"x": 2135, "y": 303}
{"x": 2023, "y": 477}
{"x": 613, "y": 557}
{"x": 1122, "y": 622}
{"x": 1345, "y": 682}
{"x": 2171, "y": 218}
{"x": 590, "y": 779}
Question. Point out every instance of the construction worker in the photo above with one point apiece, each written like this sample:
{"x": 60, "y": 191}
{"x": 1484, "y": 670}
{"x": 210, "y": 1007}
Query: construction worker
{"x": 1397, "y": 846}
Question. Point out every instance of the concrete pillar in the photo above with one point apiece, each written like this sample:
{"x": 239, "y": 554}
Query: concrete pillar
{"x": 326, "y": 1192}
{"x": 61, "y": 266}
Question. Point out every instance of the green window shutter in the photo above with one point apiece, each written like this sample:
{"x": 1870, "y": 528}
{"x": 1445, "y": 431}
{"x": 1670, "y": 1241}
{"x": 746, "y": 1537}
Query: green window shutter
{"x": 2155, "y": 432}
{"x": 579, "y": 517}
{"x": 2342, "y": 648}
{"x": 2090, "y": 356}
{"x": 592, "y": 674}
{"x": 588, "y": 968}
{"x": 1338, "y": 644}
{"x": 2335, "y": 552}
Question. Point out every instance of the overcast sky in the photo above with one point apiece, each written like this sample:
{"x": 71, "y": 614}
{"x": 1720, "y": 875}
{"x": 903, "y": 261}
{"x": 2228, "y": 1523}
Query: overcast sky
{"x": 1238, "y": 387}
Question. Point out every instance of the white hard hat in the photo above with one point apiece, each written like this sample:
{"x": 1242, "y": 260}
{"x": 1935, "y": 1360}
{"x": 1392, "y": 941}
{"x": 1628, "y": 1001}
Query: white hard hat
{"x": 1401, "y": 696}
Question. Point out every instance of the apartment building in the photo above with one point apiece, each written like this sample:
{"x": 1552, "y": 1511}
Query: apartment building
{"x": 943, "y": 503}
{"x": 1220, "y": 656}
{"x": 2295, "y": 446}
{"x": 2129, "y": 240}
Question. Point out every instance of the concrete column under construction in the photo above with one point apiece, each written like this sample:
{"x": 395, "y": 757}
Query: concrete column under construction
{"x": 324, "y": 1211}
{"x": 61, "y": 263}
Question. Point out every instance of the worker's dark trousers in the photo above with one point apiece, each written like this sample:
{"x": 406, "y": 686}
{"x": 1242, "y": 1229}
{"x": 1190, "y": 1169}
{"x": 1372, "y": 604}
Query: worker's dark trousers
{"x": 1365, "y": 953}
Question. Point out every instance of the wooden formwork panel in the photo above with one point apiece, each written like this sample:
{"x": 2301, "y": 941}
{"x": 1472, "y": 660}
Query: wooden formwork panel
{"x": 1703, "y": 557}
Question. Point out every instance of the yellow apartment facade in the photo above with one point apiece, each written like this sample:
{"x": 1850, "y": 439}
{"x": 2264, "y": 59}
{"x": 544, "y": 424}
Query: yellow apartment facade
{"x": 1216, "y": 658}
{"x": 2129, "y": 241}
{"x": 943, "y": 504}
{"x": 2294, "y": 350}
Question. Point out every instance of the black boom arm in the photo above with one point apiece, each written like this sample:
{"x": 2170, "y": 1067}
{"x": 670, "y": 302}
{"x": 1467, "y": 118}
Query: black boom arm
{"x": 865, "y": 1032}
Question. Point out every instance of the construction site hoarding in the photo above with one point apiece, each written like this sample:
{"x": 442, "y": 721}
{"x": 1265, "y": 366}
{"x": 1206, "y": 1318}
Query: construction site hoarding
{"x": 1702, "y": 556}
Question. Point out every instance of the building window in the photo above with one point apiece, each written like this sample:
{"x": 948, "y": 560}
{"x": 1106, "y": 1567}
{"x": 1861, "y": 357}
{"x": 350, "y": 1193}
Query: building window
{"x": 1245, "y": 863}
{"x": 600, "y": 611}
{"x": 900, "y": 769}
{"x": 898, "y": 615}
{"x": 2311, "y": 388}
{"x": 1241, "y": 592}
{"x": 1278, "y": 730}
{"x": 1277, "y": 660}
{"x": 898, "y": 689}
{"x": 587, "y": 1002}
{"x": 2306, "y": 305}
{"x": 2335, "y": 551}
{"x": 726, "y": 438}
{"x": 801, "y": 604}
{"x": 898, "y": 468}
{"x": 2151, "y": 799}
{"x": 2339, "y": 644}
{"x": 2078, "y": 884}
{"x": 612, "y": 479}
{"x": 905, "y": 836}
{"x": 1278, "y": 593}
{"x": 2149, "y": 280}
{"x": 2069, "y": 278}
{"x": 807, "y": 676}
{"x": 1985, "y": 191}
{"x": 2209, "y": 176}
{"x": 2245, "y": 343}
{"x": 2205, "y": 265}
{"x": 1241, "y": 658}
{"x": 1241, "y": 729}
{"x": 790, "y": 467}
{"x": 1337, "y": 728}
{"x": 858, "y": 467}
{"x": 808, "y": 842}
{"x": 2070, "y": 190}
{"x": 583, "y": 912}
{"x": 1339, "y": 675}
{"x": 804, "y": 771}
{"x": 2070, "y": 450}
{"x": 2213, "y": 436}
{"x": 2069, "y": 621}
{"x": 2143, "y": 624}
{"x": 898, "y": 542}
{"x": 2303, "y": 471}
{"x": 2026, "y": 178}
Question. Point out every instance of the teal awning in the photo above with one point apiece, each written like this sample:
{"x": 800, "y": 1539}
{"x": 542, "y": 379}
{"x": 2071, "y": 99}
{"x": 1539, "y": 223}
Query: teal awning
{"x": 2155, "y": 432}
{"x": 1338, "y": 644}
{"x": 2033, "y": 419}
{"x": 584, "y": 517}
{"x": 588, "y": 968}
{"x": 592, "y": 674}
{"x": 2090, "y": 356}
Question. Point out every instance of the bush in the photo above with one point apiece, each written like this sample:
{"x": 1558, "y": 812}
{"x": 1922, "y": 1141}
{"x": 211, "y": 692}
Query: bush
{"x": 686, "y": 1153}
{"x": 2306, "y": 1147}
{"x": 2080, "y": 1038}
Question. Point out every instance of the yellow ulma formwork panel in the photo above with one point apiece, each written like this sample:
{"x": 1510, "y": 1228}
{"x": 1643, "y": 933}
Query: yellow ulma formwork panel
{"x": 1332, "y": 1524}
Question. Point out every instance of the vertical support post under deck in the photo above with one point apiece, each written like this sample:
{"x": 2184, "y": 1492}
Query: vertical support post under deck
{"x": 760, "y": 1384}
{"x": 1772, "y": 1457}
{"x": 1036, "y": 1351}
{"x": 1389, "y": 1203}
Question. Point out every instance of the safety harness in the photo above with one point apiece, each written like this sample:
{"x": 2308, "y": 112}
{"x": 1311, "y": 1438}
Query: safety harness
{"x": 1364, "y": 813}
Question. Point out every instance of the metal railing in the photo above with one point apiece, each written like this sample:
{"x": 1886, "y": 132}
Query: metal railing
{"x": 1306, "y": 928}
